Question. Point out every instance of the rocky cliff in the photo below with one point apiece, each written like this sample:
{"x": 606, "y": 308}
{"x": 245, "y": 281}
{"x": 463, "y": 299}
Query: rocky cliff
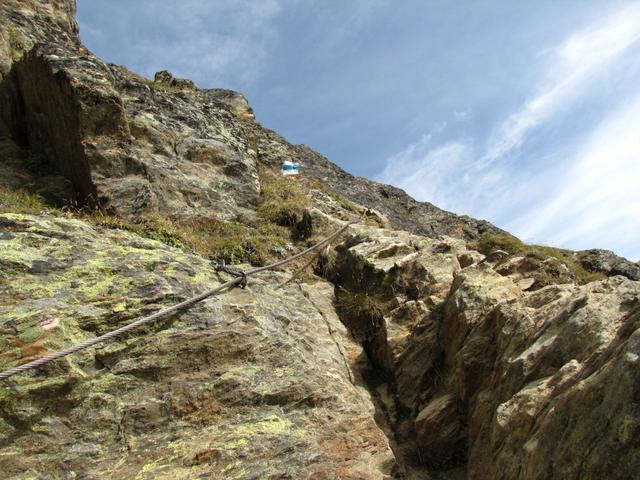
{"x": 420, "y": 344}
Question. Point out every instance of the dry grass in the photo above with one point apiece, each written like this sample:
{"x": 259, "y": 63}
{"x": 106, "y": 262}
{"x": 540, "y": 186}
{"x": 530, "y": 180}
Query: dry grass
{"x": 283, "y": 200}
{"x": 490, "y": 242}
{"x": 208, "y": 236}
{"x": 21, "y": 201}
{"x": 360, "y": 305}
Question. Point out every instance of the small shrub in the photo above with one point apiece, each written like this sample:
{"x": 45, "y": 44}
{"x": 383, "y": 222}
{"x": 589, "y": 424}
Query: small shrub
{"x": 362, "y": 313}
{"x": 490, "y": 242}
{"x": 360, "y": 305}
{"x": 17, "y": 43}
{"x": 326, "y": 265}
{"x": 160, "y": 87}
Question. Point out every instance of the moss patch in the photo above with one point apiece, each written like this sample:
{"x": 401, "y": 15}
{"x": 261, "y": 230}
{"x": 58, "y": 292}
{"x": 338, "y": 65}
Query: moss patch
{"x": 31, "y": 334}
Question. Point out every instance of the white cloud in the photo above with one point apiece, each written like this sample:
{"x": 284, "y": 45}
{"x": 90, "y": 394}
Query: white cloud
{"x": 569, "y": 73}
{"x": 214, "y": 43}
{"x": 425, "y": 169}
{"x": 589, "y": 206}
{"x": 598, "y": 200}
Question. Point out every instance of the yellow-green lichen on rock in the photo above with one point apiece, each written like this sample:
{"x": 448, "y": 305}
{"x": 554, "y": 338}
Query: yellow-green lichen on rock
{"x": 220, "y": 390}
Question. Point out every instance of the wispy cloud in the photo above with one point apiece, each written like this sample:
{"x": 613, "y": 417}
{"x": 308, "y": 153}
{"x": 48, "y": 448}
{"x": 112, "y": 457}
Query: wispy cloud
{"x": 214, "y": 43}
{"x": 421, "y": 167}
{"x": 572, "y": 201}
{"x": 569, "y": 72}
{"x": 597, "y": 199}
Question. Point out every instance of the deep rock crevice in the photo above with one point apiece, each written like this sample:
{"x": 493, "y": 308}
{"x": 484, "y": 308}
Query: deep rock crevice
{"x": 478, "y": 367}
{"x": 472, "y": 370}
{"x": 42, "y": 117}
{"x": 363, "y": 298}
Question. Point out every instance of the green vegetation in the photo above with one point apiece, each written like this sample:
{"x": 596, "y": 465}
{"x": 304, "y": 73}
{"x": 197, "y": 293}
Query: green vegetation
{"x": 235, "y": 242}
{"x": 161, "y": 87}
{"x": 361, "y": 312}
{"x": 21, "y": 201}
{"x": 152, "y": 84}
{"x": 282, "y": 203}
{"x": 492, "y": 241}
{"x": 282, "y": 199}
{"x": 213, "y": 238}
{"x": 17, "y": 43}
{"x": 496, "y": 241}
{"x": 360, "y": 305}
{"x": 31, "y": 334}
{"x": 152, "y": 227}
{"x": 281, "y": 206}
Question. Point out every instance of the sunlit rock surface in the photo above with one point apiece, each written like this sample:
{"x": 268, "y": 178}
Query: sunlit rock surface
{"x": 255, "y": 383}
{"x": 490, "y": 377}
{"x": 400, "y": 352}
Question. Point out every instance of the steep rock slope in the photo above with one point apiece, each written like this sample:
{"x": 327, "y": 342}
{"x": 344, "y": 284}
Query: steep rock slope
{"x": 498, "y": 365}
{"x": 124, "y": 145}
{"x": 134, "y": 146}
{"x": 257, "y": 383}
{"x": 509, "y": 382}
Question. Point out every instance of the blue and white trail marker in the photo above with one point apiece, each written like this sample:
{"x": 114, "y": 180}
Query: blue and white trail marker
{"x": 290, "y": 168}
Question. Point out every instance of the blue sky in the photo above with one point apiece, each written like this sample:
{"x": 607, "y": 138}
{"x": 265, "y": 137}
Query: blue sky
{"x": 526, "y": 114}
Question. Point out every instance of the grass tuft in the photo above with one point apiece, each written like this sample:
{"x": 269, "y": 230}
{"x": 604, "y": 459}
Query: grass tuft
{"x": 360, "y": 305}
{"x": 210, "y": 237}
{"x": 283, "y": 200}
{"x": 21, "y": 201}
{"x": 493, "y": 241}
{"x": 362, "y": 313}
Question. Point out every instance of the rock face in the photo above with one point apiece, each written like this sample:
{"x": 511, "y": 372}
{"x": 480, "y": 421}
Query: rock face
{"x": 407, "y": 355}
{"x": 505, "y": 382}
{"x": 256, "y": 383}
{"x": 609, "y": 263}
{"x": 127, "y": 144}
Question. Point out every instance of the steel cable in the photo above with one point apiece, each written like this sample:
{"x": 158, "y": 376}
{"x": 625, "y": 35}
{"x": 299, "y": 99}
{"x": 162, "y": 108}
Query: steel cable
{"x": 167, "y": 311}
